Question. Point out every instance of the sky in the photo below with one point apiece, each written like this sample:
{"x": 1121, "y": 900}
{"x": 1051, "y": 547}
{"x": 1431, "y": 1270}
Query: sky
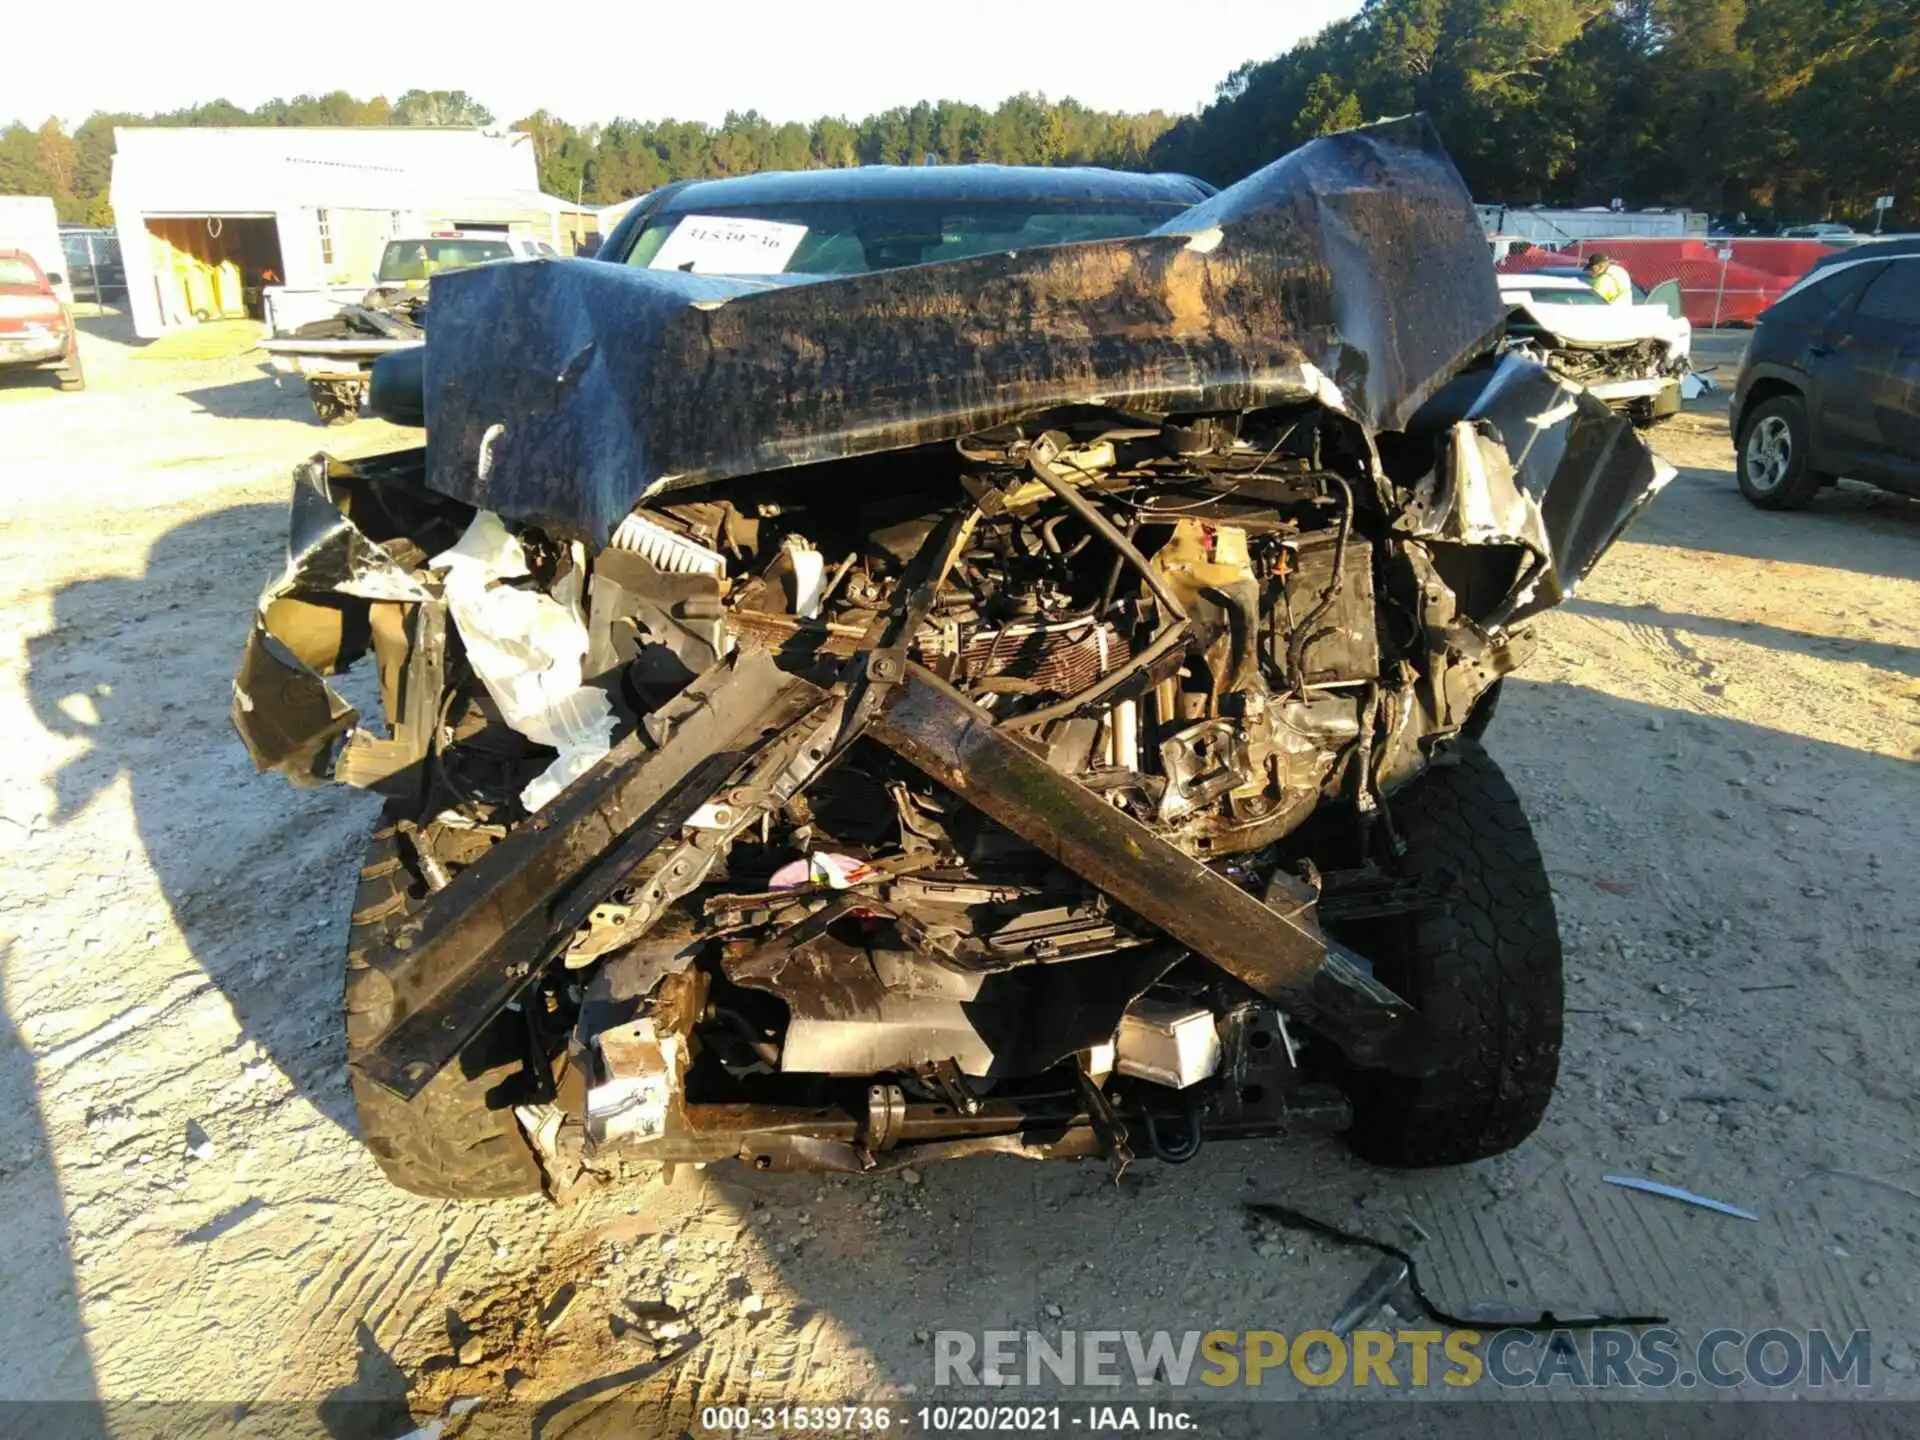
{"x": 686, "y": 61}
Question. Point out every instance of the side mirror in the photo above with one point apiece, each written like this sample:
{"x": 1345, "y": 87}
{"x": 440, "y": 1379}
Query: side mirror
{"x": 54, "y": 277}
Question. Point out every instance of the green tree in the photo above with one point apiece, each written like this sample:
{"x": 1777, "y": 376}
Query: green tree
{"x": 832, "y": 143}
{"x": 560, "y": 153}
{"x": 1796, "y": 108}
{"x": 1326, "y": 108}
{"x": 55, "y": 158}
{"x": 1808, "y": 107}
{"x": 440, "y": 108}
{"x": 20, "y": 161}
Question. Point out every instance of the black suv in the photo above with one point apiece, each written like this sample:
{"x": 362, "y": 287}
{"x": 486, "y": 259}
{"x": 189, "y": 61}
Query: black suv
{"x": 1830, "y": 385}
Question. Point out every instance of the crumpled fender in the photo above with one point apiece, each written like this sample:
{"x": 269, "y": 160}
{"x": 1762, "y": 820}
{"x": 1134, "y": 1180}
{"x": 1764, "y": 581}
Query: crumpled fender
{"x": 315, "y": 618}
{"x": 1532, "y": 461}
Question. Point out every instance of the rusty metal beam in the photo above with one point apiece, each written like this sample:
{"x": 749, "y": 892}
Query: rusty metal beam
{"x": 1282, "y": 956}
{"x": 458, "y": 959}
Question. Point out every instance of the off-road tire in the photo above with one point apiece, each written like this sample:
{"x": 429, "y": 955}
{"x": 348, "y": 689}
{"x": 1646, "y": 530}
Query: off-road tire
{"x": 458, "y": 1139}
{"x": 1801, "y": 481}
{"x": 69, "y": 376}
{"x": 1484, "y": 973}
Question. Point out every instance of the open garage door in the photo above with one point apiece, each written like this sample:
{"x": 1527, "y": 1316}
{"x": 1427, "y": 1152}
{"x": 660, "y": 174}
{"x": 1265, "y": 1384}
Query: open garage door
{"x": 213, "y": 267}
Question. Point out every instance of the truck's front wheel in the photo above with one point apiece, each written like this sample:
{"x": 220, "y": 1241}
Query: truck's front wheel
{"x": 457, "y": 1139}
{"x": 1485, "y": 973}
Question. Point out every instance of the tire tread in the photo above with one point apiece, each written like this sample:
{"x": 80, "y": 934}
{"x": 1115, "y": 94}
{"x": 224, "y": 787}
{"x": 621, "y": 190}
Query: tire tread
{"x": 1487, "y": 974}
{"x": 450, "y": 1142}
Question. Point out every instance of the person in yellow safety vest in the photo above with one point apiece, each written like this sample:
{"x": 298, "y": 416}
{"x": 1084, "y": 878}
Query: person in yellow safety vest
{"x": 1610, "y": 278}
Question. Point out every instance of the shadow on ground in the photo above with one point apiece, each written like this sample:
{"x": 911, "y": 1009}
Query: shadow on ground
{"x": 248, "y": 865}
{"x": 1846, "y": 527}
{"x": 374, "y": 1402}
{"x": 12, "y": 378}
{"x": 1900, "y": 659}
{"x": 112, "y": 324}
{"x": 259, "y": 397}
{"x": 46, "y": 1356}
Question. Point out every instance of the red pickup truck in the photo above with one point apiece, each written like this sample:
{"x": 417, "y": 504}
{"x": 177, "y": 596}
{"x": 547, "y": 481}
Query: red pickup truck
{"x": 36, "y": 329}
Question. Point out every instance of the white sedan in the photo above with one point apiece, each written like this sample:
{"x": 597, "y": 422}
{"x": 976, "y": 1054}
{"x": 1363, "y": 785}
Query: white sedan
{"x": 1635, "y": 357}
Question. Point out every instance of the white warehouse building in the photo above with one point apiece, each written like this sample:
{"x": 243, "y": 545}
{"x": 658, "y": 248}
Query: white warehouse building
{"x": 211, "y": 218}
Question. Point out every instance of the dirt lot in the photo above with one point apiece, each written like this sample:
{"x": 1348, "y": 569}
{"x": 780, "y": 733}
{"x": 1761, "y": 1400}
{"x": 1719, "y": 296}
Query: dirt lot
{"x": 1717, "y": 743}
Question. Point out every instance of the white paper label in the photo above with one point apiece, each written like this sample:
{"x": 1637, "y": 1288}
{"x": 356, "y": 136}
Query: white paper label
{"x": 721, "y": 245}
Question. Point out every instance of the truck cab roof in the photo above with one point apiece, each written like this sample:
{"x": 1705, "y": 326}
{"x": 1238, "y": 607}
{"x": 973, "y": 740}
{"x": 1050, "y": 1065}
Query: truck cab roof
{"x": 881, "y": 217}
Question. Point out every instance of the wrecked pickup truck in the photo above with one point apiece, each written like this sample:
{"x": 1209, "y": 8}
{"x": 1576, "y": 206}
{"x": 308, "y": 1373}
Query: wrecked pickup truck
{"x": 333, "y": 357}
{"x": 1020, "y": 704}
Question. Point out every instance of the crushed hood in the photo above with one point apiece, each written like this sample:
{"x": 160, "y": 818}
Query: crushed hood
{"x": 1352, "y": 271}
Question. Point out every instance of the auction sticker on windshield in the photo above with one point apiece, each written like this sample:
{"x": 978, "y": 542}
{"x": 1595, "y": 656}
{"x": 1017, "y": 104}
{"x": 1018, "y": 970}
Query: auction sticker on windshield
{"x": 722, "y": 245}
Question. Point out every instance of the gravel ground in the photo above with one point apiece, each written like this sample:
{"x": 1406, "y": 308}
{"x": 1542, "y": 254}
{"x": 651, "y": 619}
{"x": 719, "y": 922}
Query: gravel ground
{"x": 1716, "y": 742}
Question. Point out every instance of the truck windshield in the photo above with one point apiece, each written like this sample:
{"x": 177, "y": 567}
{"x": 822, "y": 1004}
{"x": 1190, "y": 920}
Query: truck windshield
{"x": 15, "y": 271}
{"x": 856, "y": 237}
{"x": 420, "y": 259}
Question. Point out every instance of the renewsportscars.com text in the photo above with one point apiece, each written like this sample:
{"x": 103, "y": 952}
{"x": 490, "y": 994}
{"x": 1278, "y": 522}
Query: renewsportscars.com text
{"x": 1654, "y": 1358}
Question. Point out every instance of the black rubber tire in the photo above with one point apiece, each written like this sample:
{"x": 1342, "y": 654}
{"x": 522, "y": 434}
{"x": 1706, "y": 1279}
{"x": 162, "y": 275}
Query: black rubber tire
{"x": 70, "y": 376}
{"x": 1801, "y": 481}
{"x": 1486, "y": 974}
{"x": 458, "y": 1139}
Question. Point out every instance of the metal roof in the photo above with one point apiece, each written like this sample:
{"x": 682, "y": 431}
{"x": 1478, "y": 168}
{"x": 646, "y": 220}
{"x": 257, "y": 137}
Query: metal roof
{"x": 159, "y": 169}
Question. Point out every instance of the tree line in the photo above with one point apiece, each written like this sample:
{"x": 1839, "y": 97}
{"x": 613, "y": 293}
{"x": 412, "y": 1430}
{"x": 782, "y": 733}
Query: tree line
{"x": 599, "y": 164}
{"x": 1779, "y": 109}
{"x": 1776, "y": 109}
{"x": 604, "y": 163}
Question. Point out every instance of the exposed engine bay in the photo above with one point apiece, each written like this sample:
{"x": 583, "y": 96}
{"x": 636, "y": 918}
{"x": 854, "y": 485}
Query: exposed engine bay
{"x": 1595, "y": 364}
{"x": 1642, "y": 377}
{"x": 1029, "y": 787}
